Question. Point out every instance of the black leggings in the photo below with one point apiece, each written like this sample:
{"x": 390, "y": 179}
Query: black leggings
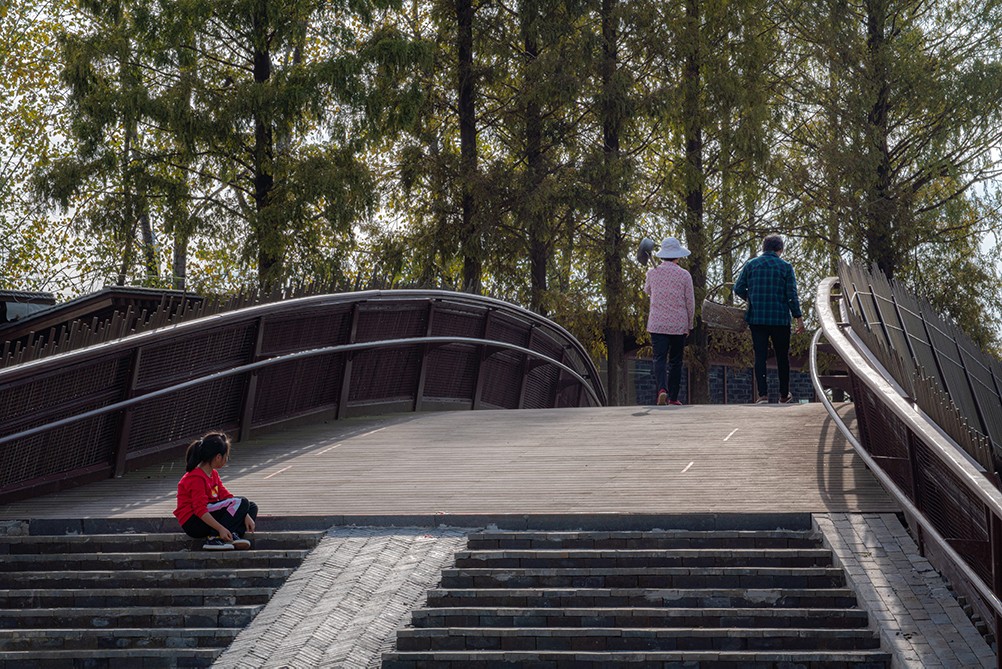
{"x": 196, "y": 527}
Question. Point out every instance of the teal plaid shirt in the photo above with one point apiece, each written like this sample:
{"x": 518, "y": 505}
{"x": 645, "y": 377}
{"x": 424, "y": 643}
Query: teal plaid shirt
{"x": 767, "y": 283}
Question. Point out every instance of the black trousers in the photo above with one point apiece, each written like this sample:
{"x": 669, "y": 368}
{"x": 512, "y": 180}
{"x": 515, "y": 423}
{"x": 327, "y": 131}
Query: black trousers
{"x": 780, "y": 336}
{"x": 196, "y": 527}
{"x": 668, "y": 349}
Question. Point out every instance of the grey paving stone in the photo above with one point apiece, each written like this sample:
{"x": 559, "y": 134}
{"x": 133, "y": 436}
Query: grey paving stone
{"x": 920, "y": 622}
{"x": 343, "y": 606}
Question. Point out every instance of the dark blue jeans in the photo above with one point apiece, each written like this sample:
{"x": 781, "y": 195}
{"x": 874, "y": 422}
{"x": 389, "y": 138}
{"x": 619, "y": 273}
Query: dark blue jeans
{"x": 668, "y": 353}
{"x": 780, "y": 336}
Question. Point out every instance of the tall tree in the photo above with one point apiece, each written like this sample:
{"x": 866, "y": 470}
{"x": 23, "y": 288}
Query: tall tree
{"x": 35, "y": 250}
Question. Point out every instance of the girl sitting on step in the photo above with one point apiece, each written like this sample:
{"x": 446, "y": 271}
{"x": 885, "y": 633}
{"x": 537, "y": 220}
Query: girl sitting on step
{"x": 205, "y": 508}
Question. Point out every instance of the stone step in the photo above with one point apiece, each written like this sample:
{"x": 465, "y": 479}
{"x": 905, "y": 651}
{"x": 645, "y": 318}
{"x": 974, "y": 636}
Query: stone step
{"x": 841, "y": 618}
{"x": 688, "y": 557}
{"x": 857, "y": 659}
{"x": 93, "y": 597}
{"x": 633, "y": 639}
{"x": 259, "y": 559}
{"x": 125, "y": 578}
{"x": 136, "y": 616}
{"x": 93, "y": 639}
{"x": 800, "y": 598}
{"x": 668, "y": 577}
{"x": 144, "y": 543}
{"x": 110, "y": 658}
{"x": 657, "y": 539}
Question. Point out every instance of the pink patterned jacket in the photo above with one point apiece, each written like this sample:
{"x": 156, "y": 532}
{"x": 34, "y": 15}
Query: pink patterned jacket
{"x": 673, "y": 305}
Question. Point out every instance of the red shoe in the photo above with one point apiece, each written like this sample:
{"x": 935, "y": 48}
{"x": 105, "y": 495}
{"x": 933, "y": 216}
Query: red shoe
{"x": 662, "y": 398}
{"x": 674, "y": 403}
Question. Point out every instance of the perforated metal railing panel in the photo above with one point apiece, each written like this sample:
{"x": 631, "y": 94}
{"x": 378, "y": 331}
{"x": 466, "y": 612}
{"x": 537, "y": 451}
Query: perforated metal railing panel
{"x": 329, "y": 354}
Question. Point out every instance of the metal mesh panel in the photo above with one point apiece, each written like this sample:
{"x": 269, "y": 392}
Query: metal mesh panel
{"x": 886, "y": 438}
{"x": 508, "y": 330}
{"x": 61, "y": 451}
{"x": 451, "y": 372}
{"x": 36, "y": 400}
{"x": 954, "y": 511}
{"x": 284, "y": 333}
{"x": 297, "y": 387}
{"x": 540, "y": 387}
{"x": 398, "y": 320}
{"x": 455, "y": 321}
{"x": 542, "y": 380}
{"x": 196, "y": 355}
{"x": 187, "y": 414}
{"x": 502, "y": 379}
{"x": 385, "y": 374}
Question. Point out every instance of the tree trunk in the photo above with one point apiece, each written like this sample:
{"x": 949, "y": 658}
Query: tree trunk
{"x": 151, "y": 263}
{"x": 880, "y": 208}
{"x": 180, "y": 265}
{"x": 267, "y": 232}
{"x": 695, "y": 233}
{"x": 535, "y": 214}
{"x": 471, "y": 235}
{"x": 610, "y": 209}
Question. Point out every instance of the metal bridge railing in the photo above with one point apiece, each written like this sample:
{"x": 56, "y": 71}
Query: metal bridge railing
{"x": 946, "y": 493}
{"x": 106, "y": 409}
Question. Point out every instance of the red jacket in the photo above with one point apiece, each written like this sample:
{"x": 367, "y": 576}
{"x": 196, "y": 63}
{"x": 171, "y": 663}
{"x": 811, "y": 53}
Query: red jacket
{"x": 195, "y": 491}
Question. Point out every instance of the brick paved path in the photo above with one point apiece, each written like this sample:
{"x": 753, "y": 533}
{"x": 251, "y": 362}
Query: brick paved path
{"x": 920, "y": 621}
{"x": 343, "y": 606}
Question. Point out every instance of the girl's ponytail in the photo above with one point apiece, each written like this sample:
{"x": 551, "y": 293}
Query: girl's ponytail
{"x": 205, "y": 449}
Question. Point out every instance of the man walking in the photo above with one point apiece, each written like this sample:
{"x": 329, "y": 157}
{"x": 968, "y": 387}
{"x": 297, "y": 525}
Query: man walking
{"x": 769, "y": 286}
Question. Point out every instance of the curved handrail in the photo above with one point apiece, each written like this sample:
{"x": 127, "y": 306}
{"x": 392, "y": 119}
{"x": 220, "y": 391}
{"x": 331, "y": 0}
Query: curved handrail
{"x": 869, "y": 371}
{"x": 260, "y": 364}
{"x": 249, "y": 313}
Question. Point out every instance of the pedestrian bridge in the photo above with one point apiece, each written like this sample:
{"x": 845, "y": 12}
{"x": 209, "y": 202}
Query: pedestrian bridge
{"x": 330, "y": 398}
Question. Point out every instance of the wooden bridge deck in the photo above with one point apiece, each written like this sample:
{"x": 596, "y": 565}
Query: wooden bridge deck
{"x": 656, "y": 460}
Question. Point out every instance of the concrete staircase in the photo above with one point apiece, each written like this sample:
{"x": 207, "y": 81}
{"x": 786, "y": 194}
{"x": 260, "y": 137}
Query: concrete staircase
{"x": 693, "y": 599}
{"x": 133, "y": 599}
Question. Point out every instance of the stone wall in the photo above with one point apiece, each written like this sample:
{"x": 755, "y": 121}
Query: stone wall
{"x": 738, "y": 382}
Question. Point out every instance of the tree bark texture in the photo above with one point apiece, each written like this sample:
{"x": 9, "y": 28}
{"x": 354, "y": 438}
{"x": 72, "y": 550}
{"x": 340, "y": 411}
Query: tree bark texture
{"x": 470, "y": 232}
{"x": 695, "y": 232}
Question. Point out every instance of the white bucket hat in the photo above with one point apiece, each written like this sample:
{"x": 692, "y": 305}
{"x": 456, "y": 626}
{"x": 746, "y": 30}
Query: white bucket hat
{"x": 671, "y": 248}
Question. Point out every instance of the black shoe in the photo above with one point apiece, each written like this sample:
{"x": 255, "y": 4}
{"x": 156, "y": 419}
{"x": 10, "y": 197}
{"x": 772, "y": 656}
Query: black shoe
{"x": 217, "y": 544}
{"x": 787, "y": 399}
{"x": 240, "y": 543}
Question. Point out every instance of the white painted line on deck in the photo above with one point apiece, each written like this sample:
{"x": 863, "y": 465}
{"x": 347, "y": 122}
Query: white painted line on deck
{"x": 687, "y": 467}
{"x": 278, "y": 472}
{"x": 329, "y": 448}
{"x": 731, "y": 434}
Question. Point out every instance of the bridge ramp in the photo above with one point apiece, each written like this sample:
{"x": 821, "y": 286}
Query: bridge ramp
{"x": 620, "y": 460}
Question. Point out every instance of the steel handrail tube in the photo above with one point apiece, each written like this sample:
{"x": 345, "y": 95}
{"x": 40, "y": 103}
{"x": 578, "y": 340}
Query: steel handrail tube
{"x": 327, "y": 350}
{"x": 863, "y": 367}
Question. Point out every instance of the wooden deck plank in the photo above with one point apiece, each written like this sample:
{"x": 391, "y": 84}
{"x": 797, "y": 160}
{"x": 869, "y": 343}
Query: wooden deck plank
{"x": 721, "y": 459}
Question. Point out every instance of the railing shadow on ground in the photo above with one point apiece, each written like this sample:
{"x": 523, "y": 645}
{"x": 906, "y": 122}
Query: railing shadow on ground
{"x": 949, "y": 496}
{"x": 107, "y": 409}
